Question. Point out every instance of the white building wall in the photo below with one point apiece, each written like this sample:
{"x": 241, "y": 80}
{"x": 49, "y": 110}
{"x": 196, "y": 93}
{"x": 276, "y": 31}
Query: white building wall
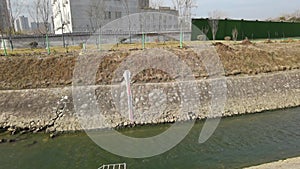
{"x": 17, "y": 25}
{"x": 74, "y": 13}
{"x": 62, "y": 16}
{"x": 166, "y": 19}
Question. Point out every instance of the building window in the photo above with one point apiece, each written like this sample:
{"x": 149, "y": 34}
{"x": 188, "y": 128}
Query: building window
{"x": 118, "y": 15}
{"x": 107, "y": 15}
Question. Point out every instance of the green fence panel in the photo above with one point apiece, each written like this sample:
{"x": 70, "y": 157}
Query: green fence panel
{"x": 250, "y": 29}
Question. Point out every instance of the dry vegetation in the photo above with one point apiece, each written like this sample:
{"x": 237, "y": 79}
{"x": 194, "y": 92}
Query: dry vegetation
{"x": 35, "y": 69}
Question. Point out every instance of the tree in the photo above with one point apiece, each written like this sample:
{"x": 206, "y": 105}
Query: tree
{"x": 297, "y": 13}
{"x": 235, "y": 34}
{"x": 292, "y": 17}
{"x": 184, "y": 8}
{"x": 282, "y": 18}
{"x": 205, "y": 30}
{"x": 45, "y": 12}
{"x": 156, "y": 3}
{"x": 40, "y": 11}
{"x": 96, "y": 14}
{"x": 127, "y": 10}
{"x": 214, "y": 18}
{"x": 15, "y": 7}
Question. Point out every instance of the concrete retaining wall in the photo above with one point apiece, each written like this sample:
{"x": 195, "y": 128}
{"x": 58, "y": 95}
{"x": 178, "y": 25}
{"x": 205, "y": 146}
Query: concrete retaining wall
{"x": 53, "y": 109}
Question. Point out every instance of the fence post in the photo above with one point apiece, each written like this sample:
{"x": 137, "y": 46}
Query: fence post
{"x": 143, "y": 40}
{"x": 47, "y": 44}
{"x": 84, "y": 46}
{"x": 99, "y": 42}
{"x": 4, "y": 47}
{"x": 181, "y": 39}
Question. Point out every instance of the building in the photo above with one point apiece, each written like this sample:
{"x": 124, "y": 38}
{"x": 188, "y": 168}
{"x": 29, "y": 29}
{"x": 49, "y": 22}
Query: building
{"x": 77, "y": 16}
{"x": 22, "y": 24}
{"x": 166, "y": 19}
{"x": 34, "y": 25}
{"x": 4, "y": 16}
{"x": 71, "y": 16}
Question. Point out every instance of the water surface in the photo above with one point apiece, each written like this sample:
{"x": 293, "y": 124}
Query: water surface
{"x": 238, "y": 142}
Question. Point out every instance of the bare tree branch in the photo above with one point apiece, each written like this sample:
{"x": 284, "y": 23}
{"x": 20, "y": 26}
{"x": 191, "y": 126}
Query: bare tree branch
{"x": 44, "y": 9}
{"x": 40, "y": 11}
{"x": 96, "y": 14}
{"x": 16, "y": 8}
{"x": 156, "y": 3}
{"x": 214, "y": 18}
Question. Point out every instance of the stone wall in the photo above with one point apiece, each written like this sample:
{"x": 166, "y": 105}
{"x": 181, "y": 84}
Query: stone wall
{"x": 53, "y": 109}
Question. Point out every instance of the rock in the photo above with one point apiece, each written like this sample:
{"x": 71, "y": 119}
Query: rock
{"x": 24, "y": 132}
{"x": 32, "y": 123}
{"x": 236, "y": 72}
{"x": 60, "y": 107}
{"x": 11, "y": 129}
{"x": 61, "y": 115}
{"x": 51, "y": 123}
{"x": 3, "y": 141}
{"x": 11, "y": 140}
{"x": 50, "y": 130}
{"x": 52, "y": 135}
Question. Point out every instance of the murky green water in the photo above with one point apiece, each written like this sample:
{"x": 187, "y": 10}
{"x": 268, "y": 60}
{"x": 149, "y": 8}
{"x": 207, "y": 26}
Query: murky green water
{"x": 238, "y": 142}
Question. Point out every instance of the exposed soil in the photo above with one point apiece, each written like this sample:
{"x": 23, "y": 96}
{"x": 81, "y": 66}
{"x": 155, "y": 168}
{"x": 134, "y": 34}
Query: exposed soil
{"x": 21, "y": 72}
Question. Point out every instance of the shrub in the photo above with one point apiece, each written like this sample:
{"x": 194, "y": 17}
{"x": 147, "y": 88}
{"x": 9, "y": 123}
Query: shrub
{"x": 201, "y": 37}
{"x": 227, "y": 38}
{"x": 235, "y": 34}
{"x": 81, "y": 45}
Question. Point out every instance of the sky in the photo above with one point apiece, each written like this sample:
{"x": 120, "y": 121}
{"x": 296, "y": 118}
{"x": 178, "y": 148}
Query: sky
{"x": 247, "y": 9}
{"x": 238, "y": 9}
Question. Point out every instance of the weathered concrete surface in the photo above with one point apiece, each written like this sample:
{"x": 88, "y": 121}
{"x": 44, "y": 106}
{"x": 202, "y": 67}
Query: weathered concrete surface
{"x": 292, "y": 163}
{"x": 53, "y": 109}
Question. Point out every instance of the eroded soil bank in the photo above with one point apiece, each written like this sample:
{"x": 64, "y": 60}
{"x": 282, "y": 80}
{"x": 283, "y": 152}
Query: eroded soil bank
{"x": 42, "y": 71}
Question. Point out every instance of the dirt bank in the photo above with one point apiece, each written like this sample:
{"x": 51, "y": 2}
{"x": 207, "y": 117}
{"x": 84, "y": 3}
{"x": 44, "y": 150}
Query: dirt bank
{"x": 28, "y": 72}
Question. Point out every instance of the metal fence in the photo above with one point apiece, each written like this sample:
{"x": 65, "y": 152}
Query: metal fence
{"x": 114, "y": 166}
{"x": 24, "y": 41}
{"x": 9, "y": 44}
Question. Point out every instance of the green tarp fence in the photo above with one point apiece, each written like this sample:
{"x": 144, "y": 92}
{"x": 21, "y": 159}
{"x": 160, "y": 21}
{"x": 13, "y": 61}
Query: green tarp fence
{"x": 249, "y": 29}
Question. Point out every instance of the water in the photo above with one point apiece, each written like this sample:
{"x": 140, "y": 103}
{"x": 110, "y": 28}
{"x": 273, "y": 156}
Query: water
{"x": 238, "y": 142}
